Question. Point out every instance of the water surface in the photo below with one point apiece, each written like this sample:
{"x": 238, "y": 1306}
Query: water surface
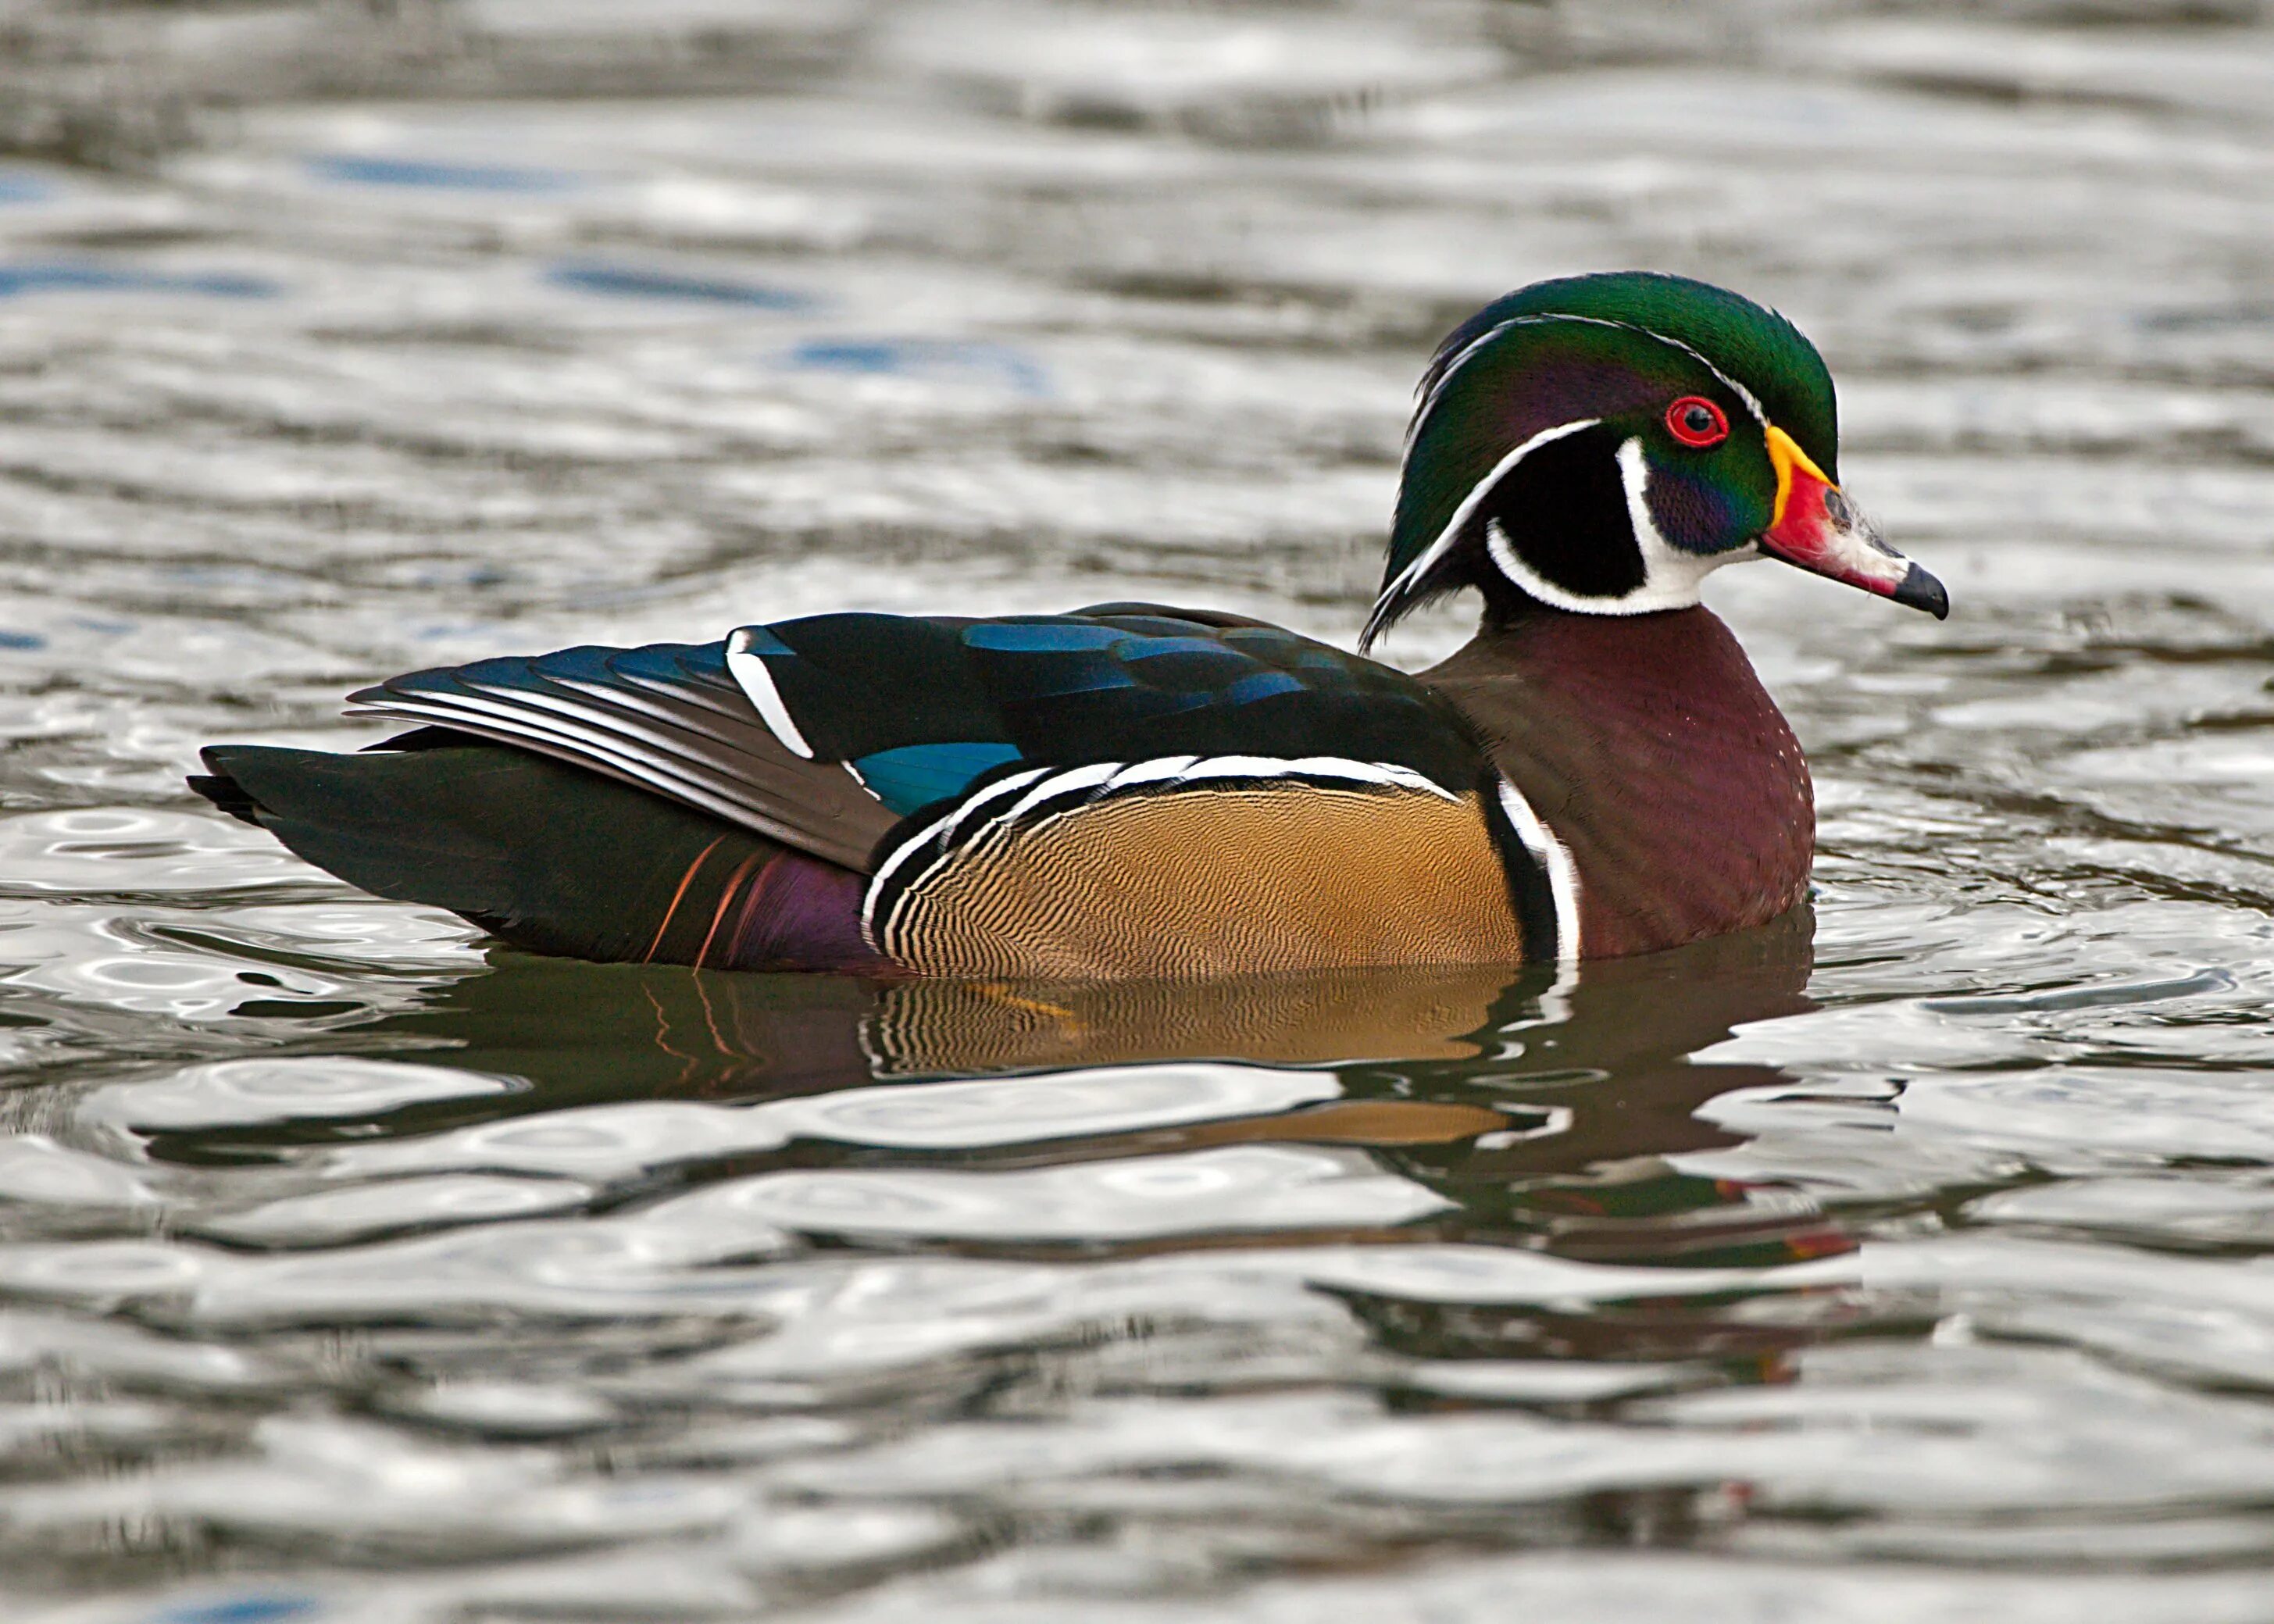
{"x": 1913, "y": 1260}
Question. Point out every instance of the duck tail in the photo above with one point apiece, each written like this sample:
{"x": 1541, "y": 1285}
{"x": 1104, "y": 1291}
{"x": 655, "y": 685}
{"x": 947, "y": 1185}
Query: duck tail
{"x": 544, "y": 855}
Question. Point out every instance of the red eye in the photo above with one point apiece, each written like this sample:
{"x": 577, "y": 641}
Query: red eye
{"x": 1696, "y": 421}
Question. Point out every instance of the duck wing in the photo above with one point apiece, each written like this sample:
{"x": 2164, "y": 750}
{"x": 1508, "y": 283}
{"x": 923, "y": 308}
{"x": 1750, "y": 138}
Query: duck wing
{"x": 665, "y": 718}
{"x": 1129, "y": 789}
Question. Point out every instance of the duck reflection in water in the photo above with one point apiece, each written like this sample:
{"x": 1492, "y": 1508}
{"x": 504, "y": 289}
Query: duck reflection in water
{"x": 1544, "y": 1106}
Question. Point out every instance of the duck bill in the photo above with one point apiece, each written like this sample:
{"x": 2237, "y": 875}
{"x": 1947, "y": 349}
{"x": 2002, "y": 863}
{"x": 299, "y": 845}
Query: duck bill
{"x": 1817, "y": 529}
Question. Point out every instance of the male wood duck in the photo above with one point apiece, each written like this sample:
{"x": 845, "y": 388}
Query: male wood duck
{"x": 1130, "y": 789}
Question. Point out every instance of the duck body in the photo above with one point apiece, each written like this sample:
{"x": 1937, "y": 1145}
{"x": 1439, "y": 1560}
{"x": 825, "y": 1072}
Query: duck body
{"x": 1136, "y": 790}
{"x": 1126, "y": 791}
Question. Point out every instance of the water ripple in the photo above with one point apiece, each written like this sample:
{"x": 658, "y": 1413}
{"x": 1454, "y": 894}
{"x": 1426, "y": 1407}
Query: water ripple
{"x": 1909, "y": 1261}
{"x": 1254, "y": 1187}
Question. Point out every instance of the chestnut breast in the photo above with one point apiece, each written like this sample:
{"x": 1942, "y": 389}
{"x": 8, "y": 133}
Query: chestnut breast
{"x": 1648, "y": 746}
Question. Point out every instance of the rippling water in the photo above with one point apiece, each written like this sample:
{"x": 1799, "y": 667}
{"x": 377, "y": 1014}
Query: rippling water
{"x": 351, "y": 1270}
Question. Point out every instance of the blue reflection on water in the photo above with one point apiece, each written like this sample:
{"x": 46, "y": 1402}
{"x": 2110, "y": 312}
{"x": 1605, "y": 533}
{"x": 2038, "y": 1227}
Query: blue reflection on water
{"x": 356, "y": 171}
{"x": 922, "y": 358}
{"x": 632, "y": 282}
{"x": 16, "y": 186}
{"x": 2245, "y": 312}
{"x": 242, "y": 1610}
{"x": 88, "y": 276}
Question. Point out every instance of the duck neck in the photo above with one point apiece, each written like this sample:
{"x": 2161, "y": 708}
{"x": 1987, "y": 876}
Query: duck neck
{"x": 1647, "y": 745}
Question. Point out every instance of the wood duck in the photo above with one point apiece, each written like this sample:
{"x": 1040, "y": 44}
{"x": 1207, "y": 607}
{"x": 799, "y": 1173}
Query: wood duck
{"x": 1136, "y": 791}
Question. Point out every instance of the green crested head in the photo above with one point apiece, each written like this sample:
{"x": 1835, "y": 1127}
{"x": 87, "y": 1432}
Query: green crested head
{"x": 1600, "y": 444}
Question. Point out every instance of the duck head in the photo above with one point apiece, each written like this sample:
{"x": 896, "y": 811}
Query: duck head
{"x": 1602, "y": 444}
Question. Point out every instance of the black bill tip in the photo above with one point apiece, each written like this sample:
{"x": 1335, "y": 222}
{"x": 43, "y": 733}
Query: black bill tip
{"x": 1921, "y": 591}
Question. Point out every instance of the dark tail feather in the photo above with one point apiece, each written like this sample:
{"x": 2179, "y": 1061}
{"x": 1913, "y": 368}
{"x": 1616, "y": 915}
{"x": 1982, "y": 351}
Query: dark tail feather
{"x": 227, "y": 794}
{"x": 546, "y": 856}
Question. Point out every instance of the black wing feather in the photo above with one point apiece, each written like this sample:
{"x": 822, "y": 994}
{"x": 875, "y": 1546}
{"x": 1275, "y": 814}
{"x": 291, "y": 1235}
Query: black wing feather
{"x": 667, "y": 718}
{"x": 1127, "y": 682}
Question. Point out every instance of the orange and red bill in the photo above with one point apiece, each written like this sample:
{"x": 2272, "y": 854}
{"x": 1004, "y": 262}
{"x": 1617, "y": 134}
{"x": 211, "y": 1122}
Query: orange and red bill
{"x": 1817, "y": 527}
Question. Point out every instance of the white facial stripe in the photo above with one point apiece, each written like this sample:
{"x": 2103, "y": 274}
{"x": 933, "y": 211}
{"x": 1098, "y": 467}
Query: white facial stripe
{"x": 1444, "y": 378}
{"x": 1671, "y": 576}
{"x": 1478, "y": 492}
{"x": 1751, "y": 401}
{"x": 757, "y": 685}
{"x": 1555, "y": 858}
{"x": 1417, "y": 571}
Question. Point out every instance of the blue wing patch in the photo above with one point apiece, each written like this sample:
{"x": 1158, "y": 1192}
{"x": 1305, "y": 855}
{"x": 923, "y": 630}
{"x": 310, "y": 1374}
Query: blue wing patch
{"x": 1261, "y": 684}
{"x": 1045, "y": 636}
{"x": 917, "y": 775}
{"x": 905, "y": 702}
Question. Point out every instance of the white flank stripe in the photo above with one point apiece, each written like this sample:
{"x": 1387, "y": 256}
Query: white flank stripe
{"x": 1091, "y": 777}
{"x": 946, "y": 825}
{"x": 943, "y": 829}
{"x": 1009, "y": 784}
{"x": 899, "y": 854}
{"x": 1041, "y": 786}
{"x": 1160, "y": 769}
{"x": 1555, "y": 858}
{"x": 757, "y": 685}
{"x": 1377, "y": 774}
